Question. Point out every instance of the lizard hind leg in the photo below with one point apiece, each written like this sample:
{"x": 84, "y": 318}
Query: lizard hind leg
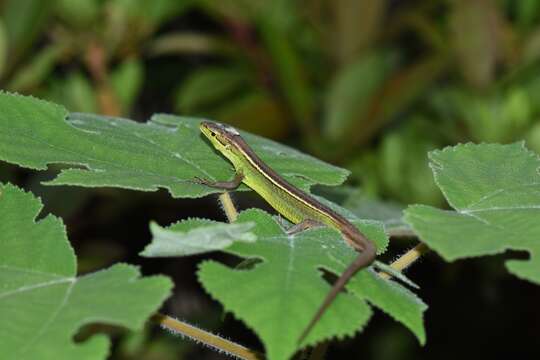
{"x": 304, "y": 225}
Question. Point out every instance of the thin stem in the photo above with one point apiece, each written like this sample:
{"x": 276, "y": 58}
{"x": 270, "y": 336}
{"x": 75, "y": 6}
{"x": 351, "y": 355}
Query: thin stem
{"x": 209, "y": 339}
{"x": 407, "y": 259}
{"x": 410, "y": 256}
{"x": 202, "y": 336}
{"x": 228, "y": 206}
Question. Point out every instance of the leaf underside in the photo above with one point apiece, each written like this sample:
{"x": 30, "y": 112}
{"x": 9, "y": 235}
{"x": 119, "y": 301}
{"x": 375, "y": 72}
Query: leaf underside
{"x": 195, "y": 236}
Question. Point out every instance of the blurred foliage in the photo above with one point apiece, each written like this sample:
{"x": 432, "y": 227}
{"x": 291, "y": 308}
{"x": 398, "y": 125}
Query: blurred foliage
{"x": 371, "y": 85}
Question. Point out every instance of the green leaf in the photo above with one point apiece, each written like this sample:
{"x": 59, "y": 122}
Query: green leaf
{"x": 206, "y": 87}
{"x": 37, "y": 69}
{"x": 153, "y": 12}
{"x": 192, "y": 43}
{"x": 195, "y": 236}
{"x": 126, "y": 81}
{"x": 401, "y": 163}
{"x": 289, "y": 69}
{"x": 356, "y": 26}
{"x": 75, "y": 92}
{"x": 78, "y": 14}
{"x": 475, "y": 39}
{"x": 24, "y": 21}
{"x": 352, "y": 91}
{"x": 495, "y": 190}
{"x": 278, "y": 296}
{"x": 4, "y": 46}
{"x": 527, "y": 12}
{"x": 368, "y": 207}
{"x": 43, "y": 304}
{"x": 166, "y": 152}
{"x": 242, "y": 109}
{"x": 500, "y": 116}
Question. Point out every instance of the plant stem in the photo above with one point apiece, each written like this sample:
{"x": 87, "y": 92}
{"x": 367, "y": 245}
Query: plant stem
{"x": 179, "y": 327}
{"x": 228, "y": 206}
{"x": 211, "y": 340}
{"x": 407, "y": 259}
{"x": 410, "y": 256}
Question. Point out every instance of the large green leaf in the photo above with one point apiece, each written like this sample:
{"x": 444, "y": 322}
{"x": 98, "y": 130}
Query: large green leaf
{"x": 43, "y": 303}
{"x": 167, "y": 151}
{"x": 279, "y": 294}
{"x": 495, "y": 191}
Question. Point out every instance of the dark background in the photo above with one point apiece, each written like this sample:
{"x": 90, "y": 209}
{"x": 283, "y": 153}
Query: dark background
{"x": 368, "y": 85}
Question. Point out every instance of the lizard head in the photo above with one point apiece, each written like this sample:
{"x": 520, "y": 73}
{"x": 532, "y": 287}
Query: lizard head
{"x": 224, "y": 138}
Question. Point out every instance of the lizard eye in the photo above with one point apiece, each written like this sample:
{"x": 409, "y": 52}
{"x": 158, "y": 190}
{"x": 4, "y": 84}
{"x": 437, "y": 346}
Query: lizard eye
{"x": 213, "y": 134}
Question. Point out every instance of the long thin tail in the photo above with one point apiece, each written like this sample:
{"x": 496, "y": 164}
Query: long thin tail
{"x": 364, "y": 259}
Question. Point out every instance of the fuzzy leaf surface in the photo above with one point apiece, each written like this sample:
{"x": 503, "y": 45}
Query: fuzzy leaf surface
{"x": 165, "y": 152}
{"x": 42, "y": 302}
{"x": 495, "y": 191}
{"x": 279, "y": 294}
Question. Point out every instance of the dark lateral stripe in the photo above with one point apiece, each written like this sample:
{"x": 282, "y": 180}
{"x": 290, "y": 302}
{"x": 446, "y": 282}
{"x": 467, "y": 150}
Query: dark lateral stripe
{"x": 277, "y": 180}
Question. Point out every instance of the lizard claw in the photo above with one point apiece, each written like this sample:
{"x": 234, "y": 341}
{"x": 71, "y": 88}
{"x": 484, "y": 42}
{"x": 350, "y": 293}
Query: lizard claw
{"x": 198, "y": 180}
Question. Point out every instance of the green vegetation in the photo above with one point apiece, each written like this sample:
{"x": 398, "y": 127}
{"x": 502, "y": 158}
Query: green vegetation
{"x": 369, "y": 89}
